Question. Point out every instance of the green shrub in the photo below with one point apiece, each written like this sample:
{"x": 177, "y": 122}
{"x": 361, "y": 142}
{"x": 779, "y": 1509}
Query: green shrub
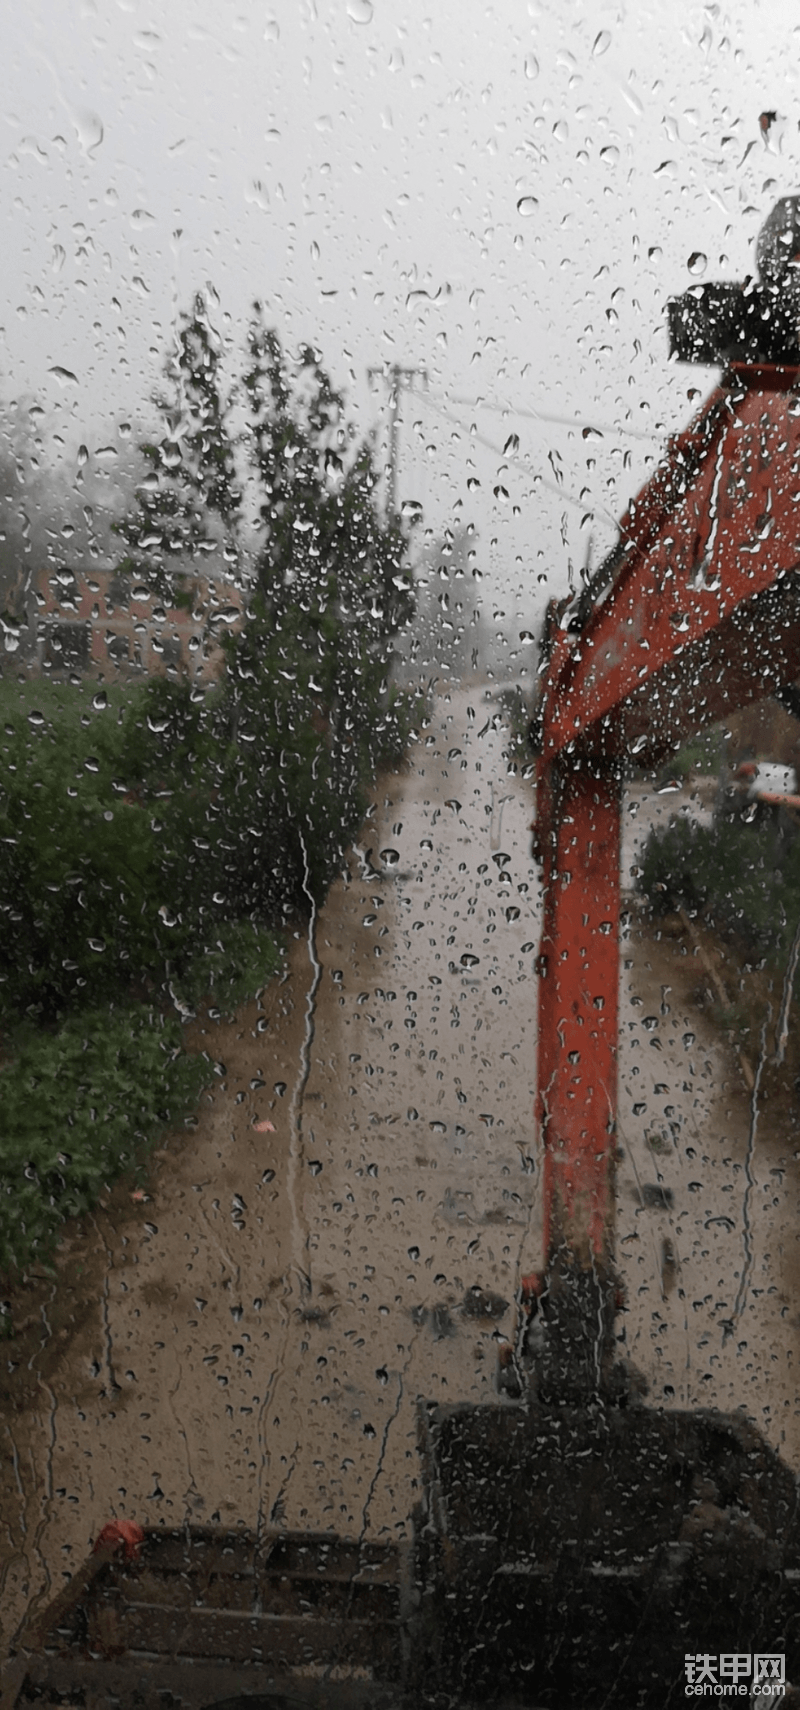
{"x": 77, "y": 1108}
{"x": 78, "y": 863}
{"x": 700, "y": 754}
{"x": 231, "y": 969}
{"x": 126, "y": 850}
{"x": 746, "y": 877}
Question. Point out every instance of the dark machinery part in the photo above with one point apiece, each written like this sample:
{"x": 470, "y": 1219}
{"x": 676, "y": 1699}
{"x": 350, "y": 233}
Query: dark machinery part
{"x": 757, "y": 321}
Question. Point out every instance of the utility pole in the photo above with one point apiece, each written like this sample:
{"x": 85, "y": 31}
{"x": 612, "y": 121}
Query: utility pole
{"x": 396, "y": 378}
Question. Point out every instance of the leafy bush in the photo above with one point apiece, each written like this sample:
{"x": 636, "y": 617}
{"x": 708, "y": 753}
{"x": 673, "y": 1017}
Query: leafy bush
{"x": 699, "y": 754}
{"x": 78, "y": 864}
{"x": 116, "y": 869}
{"x": 745, "y": 876}
{"x": 238, "y": 963}
{"x": 77, "y": 1108}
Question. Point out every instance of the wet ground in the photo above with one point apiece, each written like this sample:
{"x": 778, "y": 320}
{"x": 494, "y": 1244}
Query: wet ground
{"x": 344, "y": 1229}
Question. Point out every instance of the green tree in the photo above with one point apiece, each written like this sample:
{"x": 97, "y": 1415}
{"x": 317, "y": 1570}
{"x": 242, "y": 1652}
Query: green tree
{"x": 188, "y": 502}
{"x": 268, "y": 779}
{"x": 308, "y": 694}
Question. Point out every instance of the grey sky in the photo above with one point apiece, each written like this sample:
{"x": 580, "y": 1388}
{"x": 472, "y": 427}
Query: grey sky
{"x": 503, "y": 193}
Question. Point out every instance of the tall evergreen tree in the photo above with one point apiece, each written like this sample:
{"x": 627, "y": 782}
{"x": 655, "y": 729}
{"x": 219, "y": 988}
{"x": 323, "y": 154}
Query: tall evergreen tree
{"x": 308, "y": 675}
{"x": 188, "y": 503}
{"x": 305, "y": 707}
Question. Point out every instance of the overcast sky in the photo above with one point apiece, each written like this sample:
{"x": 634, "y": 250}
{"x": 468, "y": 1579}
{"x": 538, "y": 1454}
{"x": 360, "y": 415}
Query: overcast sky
{"x": 504, "y": 194}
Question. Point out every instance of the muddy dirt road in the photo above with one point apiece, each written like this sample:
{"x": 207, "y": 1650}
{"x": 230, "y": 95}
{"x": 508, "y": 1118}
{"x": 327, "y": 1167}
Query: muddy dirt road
{"x": 248, "y": 1343}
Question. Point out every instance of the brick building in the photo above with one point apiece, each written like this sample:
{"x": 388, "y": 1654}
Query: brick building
{"x": 101, "y": 621}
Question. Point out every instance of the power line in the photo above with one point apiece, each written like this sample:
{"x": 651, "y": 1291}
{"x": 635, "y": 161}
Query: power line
{"x": 546, "y": 416}
{"x": 552, "y": 486}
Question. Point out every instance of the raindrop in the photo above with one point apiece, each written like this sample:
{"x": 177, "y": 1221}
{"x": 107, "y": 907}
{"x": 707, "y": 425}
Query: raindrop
{"x": 100, "y": 701}
{"x": 697, "y": 262}
{"x": 531, "y": 66}
{"x": 413, "y": 1253}
{"x": 360, "y": 11}
{"x": 601, "y": 43}
{"x": 527, "y": 205}
{"x": 36, "y": 718}
{"x": 390, "y": 857}
{"x": 90, "y": 130}
{"x": 64, "y": 376}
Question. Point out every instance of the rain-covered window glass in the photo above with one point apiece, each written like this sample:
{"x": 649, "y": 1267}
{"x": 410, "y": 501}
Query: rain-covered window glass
{"x": 399, "y": 854}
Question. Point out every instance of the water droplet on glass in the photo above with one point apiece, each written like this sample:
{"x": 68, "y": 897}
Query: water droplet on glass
{"x": 390, "y": 857}
{"x": 360, "y": 11}
{"x": 90, "y": 130}
{"x": 531, "y": 66}
{"x": 697, "y": 262}
{"x": 601, "y": 43}
{"x": 527, "y": 206}
{"x": 100, "y": 701}
{"x": 64, "y": 376}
